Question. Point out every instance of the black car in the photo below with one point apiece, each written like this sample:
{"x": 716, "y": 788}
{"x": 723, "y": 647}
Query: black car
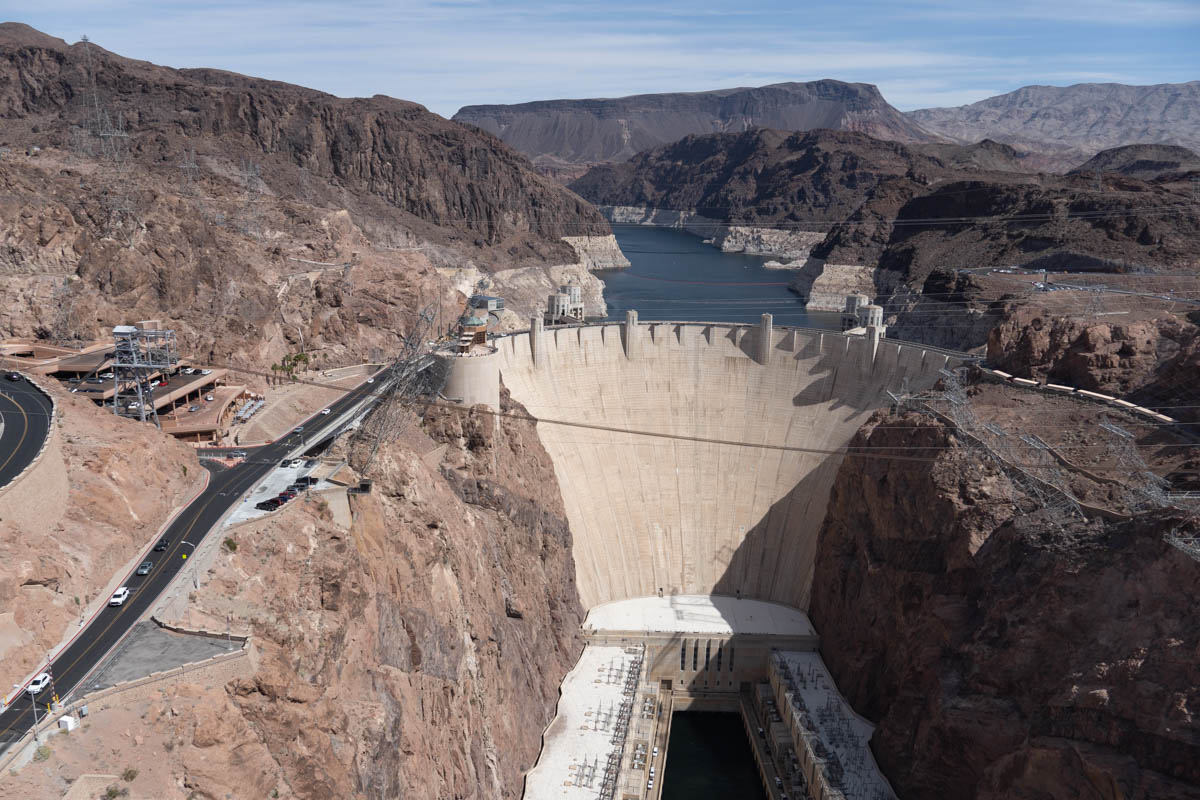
{"x": 13, "y": 376}
{"x": 269, "y": 505}
{"x": 162, "y": 545}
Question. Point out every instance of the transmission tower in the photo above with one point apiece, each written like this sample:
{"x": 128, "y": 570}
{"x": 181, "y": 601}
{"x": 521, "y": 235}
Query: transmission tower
{"x": 139, "y": 355}
{"x": 413, "y": 373}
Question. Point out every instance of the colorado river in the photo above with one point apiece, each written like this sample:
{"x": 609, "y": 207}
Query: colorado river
{"x": 675, "y": 276}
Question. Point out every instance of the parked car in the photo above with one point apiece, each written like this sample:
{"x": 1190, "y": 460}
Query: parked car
{"x": 106, "y": 376}
{"x": 237, "y": 454}
{"x": 268, "y": 505}
{"x": 310, "y": 462}
{"x": 206, "y": 372}
{"x": 370, "y": 380}
{"x": 134, "y": 405}
{"x": 163, "y": 382}
{"x": 145, "y": 567}
{"x": 325, "y": 411}
{"x": 286, "y": 495}
{"x": 95, "y": 379}
{"x": 193, "y": 408}
{"x": 119, "y": 596}
{"x": 162, "y": 545}
{"x": 39, "y": 683}
{"x": 13, "y": 376}
{"x": 298, "y": 429}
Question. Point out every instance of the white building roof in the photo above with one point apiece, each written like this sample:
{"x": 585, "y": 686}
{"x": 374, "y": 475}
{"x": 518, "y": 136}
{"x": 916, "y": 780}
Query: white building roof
{"x": 576, "y": 745}
{"x": 699, "y": 614}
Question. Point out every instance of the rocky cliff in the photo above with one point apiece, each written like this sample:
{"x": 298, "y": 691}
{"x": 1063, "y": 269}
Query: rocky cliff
{"x": 1000, "y": 655}
{"x": 1151, "y": 357}
{"x": 254, "y": 217}
{"x": 906, "y": 209}
{"x": 562, "y": 136}
{"x": 1070, "y": 123}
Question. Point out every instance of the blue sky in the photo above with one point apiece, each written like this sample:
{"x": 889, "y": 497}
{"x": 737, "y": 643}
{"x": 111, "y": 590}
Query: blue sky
{"x": 450, "y": 53}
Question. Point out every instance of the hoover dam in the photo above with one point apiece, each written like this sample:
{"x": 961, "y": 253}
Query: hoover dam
{"x": 695, "y": 462}
{"x": 728, "y": 496}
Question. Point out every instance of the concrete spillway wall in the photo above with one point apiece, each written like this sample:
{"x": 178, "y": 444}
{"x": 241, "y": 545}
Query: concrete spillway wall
{"x": 655, "y": 514}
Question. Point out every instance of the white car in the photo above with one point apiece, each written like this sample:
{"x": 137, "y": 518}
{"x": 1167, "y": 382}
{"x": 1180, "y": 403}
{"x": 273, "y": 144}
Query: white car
{"x": 39, "y": 683}
{"x": 206, "y": 372}
{"x": 188, "y": 371}
{"x": 370, "y": 380}
{"x": 208, "y": 398}
{"x": 325, "y": 411}
{"x": 119, "y": 596}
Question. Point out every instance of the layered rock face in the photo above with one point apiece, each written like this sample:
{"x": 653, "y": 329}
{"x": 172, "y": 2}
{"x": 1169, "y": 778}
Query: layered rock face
{"x": 1001, "y": 656}
{"x": 256, "y": 218}
{"x": 1151, "y": 358}
{"x": 562, "y": 136}
{"x": 1073, "y": 122}
{"x": 388, "y": 158}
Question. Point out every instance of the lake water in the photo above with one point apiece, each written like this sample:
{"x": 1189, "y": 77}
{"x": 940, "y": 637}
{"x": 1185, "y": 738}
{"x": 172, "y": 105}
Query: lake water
{"x": 710, "y": 759}
{"x": 675, "y": 276}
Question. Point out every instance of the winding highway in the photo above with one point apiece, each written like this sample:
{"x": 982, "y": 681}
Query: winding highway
{"x": 25, "y": 413}
{"x": 185, "y": 532}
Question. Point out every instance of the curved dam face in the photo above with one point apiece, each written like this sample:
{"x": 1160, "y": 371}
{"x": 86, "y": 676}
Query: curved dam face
{"x": 667, "y": 514}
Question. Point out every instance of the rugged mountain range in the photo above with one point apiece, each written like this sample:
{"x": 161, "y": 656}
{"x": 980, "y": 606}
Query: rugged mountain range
{"x": 389, "y": 160}
{"x": 562, "y": 136}
{"x": 910, "y": 209}
{"x": 1070, "y": 123}
{"x": 254, "y": 217}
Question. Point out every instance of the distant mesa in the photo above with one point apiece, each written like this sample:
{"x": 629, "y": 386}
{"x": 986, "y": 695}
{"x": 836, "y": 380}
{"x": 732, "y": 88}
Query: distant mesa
{"x": 565, "y": 136}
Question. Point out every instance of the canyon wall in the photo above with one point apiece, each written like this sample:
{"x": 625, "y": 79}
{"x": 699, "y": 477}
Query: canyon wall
{"x": 998, "y": 654}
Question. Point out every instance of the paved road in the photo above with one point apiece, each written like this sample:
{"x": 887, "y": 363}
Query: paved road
{"x": 26, "y": 412}
{"x": 185, "y": 533}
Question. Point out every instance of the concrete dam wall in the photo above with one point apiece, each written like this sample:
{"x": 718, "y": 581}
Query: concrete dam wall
{"x": 657, "y": 514}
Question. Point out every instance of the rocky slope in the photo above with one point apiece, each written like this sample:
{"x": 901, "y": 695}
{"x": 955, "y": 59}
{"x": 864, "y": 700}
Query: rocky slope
{"x": 1145, "y": 161}
{"x": 564, "y": 136}
{"x": 907, "y": 209}
{"x": 254, "y": 217}
{"x": 1070, "y": 123}
{"x": 999, "y": 655}
{"x": 411, "y": 648}
{"x": 1151, "y": 358}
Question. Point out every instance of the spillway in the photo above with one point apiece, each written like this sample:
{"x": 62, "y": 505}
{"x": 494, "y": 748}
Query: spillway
{"x": 727, "y": 494}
